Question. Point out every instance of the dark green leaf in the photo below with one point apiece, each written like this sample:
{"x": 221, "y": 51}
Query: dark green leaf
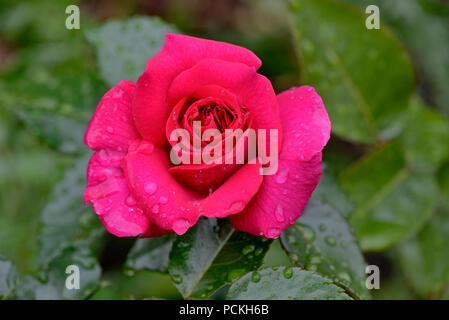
{"x": 392, "y": 200}
{"x": 150, "y": 254}
{"x": 343, "y": 60}
{"x": 8, "y": 278}
{"x": 321, "y": 241}
{"x": 423, "y": 25}
{"x": 211, "y": 255}
{"x": 424, "y": 258}
{"x": 52, "y": 284}
{"x": 284, "y": 283}
{"x": 330, "y": 192}
{"x": 123, "y": 47}
{"x": 426, "y": 137}
{"x": 58, "y": 108}
{"x": 443, "y": 184}
{"x": 66, "y": 218}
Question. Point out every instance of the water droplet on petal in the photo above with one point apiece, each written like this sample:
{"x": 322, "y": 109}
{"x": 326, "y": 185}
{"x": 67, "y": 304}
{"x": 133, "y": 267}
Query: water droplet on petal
{"x": 150, "y": 187}
{"x": 130, "y": 201}
{"x": 155, "y": 209}
{"x": 282, "y": 176}
{"x": 236, "y": 206}
{"x": 279, "y": 213}
{"x": 110, "y": 129}
{"x": 274, "y": 232}
{"x": 180, "y": 226}
{"x": 163, "y": 200}
{"x": 146, "y": 148}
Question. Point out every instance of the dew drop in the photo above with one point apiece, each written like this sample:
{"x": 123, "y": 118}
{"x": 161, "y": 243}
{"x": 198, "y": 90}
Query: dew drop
{"x": 130, "y": 201}
{"x": 180, "y": 226}
{"x": 330, "y": 241}
{"x": 322, "y": 227}
{"x": 155, "y": 209}
{"x": 279, "y": 213}
{"x": 176, "y": 278}
{"x": 255, "y": 277}
{"x": 163, "y": 200}
{"x": 150, "y": 187}
{"x": 258, "y": 251}
{"x": 248, "y": 249}
{"x": 344, "y": 276}
{"x": 288, "y": 272}
{"x": 309, "y": 234}
{"x": 110, "y": 129}
{"x": 274, "y": 232}
{"x": 282, "y": 176}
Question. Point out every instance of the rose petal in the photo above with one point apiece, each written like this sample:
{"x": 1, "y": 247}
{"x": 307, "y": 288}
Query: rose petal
{"x": 108, "y": 191}
{"x": 282, "y": 197}
{"x": 253, "y": 91}
{"x": 179, "y": 53}
{"x": 172, "y": 206}
{"x": 111, "y": 126}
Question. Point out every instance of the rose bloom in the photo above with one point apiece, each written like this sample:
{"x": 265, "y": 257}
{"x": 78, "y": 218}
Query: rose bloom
{"x": 134, "y": 187}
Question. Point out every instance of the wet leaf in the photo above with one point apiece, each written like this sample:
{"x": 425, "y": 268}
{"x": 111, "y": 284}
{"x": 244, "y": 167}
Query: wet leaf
{"x": 211, "y": 255}
{"x": 150, "y": 254}
{"x": 343, "y": 60}
{"x": 284, "y": 283}
{"x": 123, "y": 47}
{"x": 321, "y": 240}
{"x": 392, "y": 200}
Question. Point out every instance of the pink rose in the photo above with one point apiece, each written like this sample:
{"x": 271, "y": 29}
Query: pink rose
{"x": 132, "y": 183}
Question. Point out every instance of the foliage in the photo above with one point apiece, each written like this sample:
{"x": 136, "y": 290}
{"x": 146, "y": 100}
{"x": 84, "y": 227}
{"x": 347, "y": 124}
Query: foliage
{"x": 384, "y": 191}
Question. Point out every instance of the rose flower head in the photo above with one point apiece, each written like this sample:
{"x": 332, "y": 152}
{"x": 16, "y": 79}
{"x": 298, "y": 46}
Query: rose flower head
{"x": 202, "y": 134}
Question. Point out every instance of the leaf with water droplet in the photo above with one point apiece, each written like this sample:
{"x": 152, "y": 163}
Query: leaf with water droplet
{"x": 216, "y": 255}
{"x": 137, "y": 45}
{"x": 284, "y": 283}
{"x": 150, "y": 254}
{"x": 322, "y": 252}
{"x": 324, "y": 32}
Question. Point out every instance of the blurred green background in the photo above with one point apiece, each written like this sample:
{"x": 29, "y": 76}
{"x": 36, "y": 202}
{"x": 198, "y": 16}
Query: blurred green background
{"x": 389, "y": 150}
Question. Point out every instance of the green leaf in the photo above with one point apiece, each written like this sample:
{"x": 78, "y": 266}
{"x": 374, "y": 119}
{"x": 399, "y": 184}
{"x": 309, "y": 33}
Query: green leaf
{"x": 52, "y": 284}
{"x": 65, "y": 217}
{"x": 8, "y": 278}
{"x": 329, "y": 191}
{"x": 425, "y": 137}
{"x": 443, "y": 184}
{"x": 57, "y": 107}
{"x": 423, "y": 25}
{"x": 150, "y": 254}
{"x": 392, "y": 200}
{"x": 123, "y": 47}
{"x": 211, "y": 255}
{"x": 321, "y": 241}
{"x": 423, "y": 258}
{"x": 343, "y": 60}
{"x": 284, "y": 283}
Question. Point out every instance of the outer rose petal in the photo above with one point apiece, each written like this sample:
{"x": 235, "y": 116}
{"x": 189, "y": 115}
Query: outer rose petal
{"x": 109, "y": 194}
{"x": 282, "y": 197}
{"x": 179, "y": 53}
{"x": 253, "y": 91}
{"x": 173, "y": 207}
{"x": 111, "y": 126}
